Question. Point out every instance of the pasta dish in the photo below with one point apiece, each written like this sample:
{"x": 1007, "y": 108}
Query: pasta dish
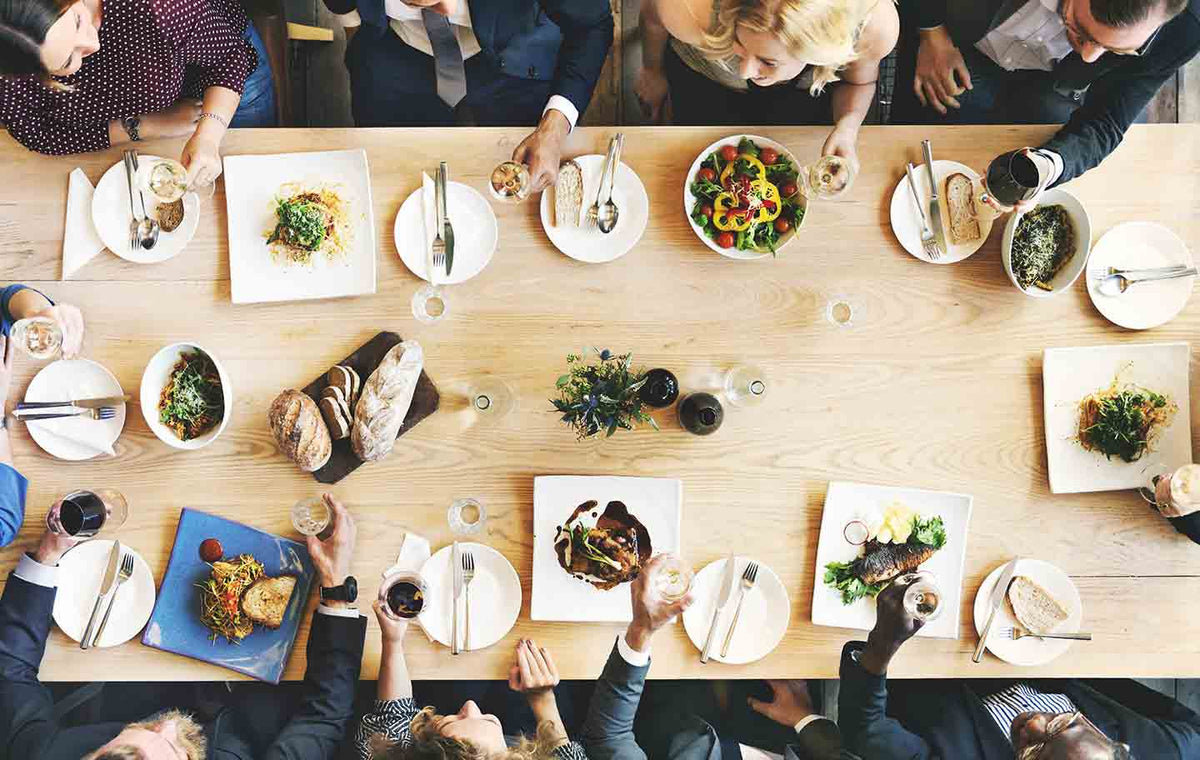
{"x": 309, "y": 220}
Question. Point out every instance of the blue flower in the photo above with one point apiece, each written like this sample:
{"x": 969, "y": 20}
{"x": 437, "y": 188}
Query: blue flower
{"x": 605, "y": 355}
{"x": 593, "y": 402}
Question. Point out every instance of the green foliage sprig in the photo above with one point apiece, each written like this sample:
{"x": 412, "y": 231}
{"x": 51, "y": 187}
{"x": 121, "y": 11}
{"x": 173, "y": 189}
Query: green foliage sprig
{"x": 599, "y": 393}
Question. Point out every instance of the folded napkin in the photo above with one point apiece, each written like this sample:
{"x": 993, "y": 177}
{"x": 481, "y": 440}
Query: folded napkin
{"x": 429, "y": 214}
{"x": 80, "y": 241}
{"x": 414, "y": 553}
{"x": 92, "y": 444}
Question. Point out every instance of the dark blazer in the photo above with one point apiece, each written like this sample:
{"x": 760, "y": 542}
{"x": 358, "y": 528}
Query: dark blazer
{"x": 1117, "y": 87}
{"x": 945, "y": 719}
{"x": 562, "y": 41}
{"x": 608, "y": 730}
{"x": 29, "y": 727}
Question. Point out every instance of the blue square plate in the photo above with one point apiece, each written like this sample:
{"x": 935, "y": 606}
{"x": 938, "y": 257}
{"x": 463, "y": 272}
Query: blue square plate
{"x": 175, "y": 623}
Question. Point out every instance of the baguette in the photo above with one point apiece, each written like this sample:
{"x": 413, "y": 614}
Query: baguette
{"x": 960, "y": 202}
{"x": 386, "y": 397}
{"x": 568, "y": 195}
{"x": 299, "y": 430}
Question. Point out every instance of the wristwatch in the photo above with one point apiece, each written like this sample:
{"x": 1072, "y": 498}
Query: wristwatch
{"x": 347, "y": 592}
{"x": 132, "y": 126}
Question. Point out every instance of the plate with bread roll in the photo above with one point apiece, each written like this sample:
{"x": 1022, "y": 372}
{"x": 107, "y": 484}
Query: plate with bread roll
{"x": 355, "y": 411}
{"x": 967, "y": 219}
{"x": 1041, "y": 599}
{"x": 564, "y": 211}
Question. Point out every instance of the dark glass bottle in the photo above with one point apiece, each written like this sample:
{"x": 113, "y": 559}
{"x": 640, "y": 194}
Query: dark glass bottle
{"x": 701, "y": 413}
{"x": 661, "y": 388}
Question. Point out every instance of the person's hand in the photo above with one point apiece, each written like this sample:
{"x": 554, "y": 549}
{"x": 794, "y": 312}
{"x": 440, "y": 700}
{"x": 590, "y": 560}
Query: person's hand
{"x": 391, "y": 630}
{"x": 70, "y": 321}
{"x": 842, "y": 142}
{"x": 650, "y": 611}
{"x": 178, "y": 120}
{"x": 534, "y": 674}
{"x": 6, "y": 366}
{"x": 653, "y": 92}
{"x": 893, "y": 627}
{"x": 790, "y": 705}
{"x": 444, "y": 7}
{"x": 202, "y": 159}
{"x": 1028, "y": 204}
{"x": 541, "y": 151}
{"x": 52, "y": 546}
{"x": 939, "y": 63}
{"x": 331, "y": 558}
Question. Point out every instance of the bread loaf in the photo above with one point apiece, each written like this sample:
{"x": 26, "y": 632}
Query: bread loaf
{"x": 299, "y": 430}
{"x": 385, "y": 399}
{"x": 960, "y": 202}
{"x": 568, "y": 195}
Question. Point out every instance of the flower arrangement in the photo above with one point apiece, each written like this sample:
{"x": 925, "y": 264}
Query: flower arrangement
{"x": 600, "y": 393}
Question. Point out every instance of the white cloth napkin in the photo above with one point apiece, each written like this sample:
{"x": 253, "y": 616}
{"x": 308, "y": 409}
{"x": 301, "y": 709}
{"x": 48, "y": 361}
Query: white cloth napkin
{"x": 414, "y": 553}
{"x": 429, "y": 214}
{"x": 80, "y": 241}
{"x": 97, "y": 445}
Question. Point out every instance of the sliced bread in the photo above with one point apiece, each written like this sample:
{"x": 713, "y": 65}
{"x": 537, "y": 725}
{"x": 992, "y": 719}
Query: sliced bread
{"x": 568, "y": 195}
{"x": 337, "y": 416}
{"x": 1035, "y": 609}
{"x": 960, "y": 201}
{"x": 339, "y": 377}
{"x": 266, "y": 601}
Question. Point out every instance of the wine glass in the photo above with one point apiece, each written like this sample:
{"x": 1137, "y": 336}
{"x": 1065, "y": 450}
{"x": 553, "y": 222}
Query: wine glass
{"x": 922, "y": 599}
{"x": 467, "y": 516}
{"x": 828, "y": 178}
{"x": 84, "y": 514}
{"x": 40, "y": 337}
{"x": 166, "y": 180}
{"x": 673, "y": 578}
{"x": 403, "y": 595}
{"x": 510, "y": 182}
{"x": 429, "y": 304}
{"x": 312, "y": 516}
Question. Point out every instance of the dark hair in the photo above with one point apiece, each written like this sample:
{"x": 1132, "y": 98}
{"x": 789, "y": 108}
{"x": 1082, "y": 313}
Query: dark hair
{"x": 23, "y": 27}
{"x": 1119, "y": 13}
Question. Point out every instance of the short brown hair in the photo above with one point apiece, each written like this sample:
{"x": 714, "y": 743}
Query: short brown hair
{"x": 1120, "y": 13}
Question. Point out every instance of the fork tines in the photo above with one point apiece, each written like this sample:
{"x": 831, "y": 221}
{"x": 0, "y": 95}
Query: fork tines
{"x": 127, "y": 565}
{"x": 104, "y": 413}
{"x": 593, "y": 217}
{"x": 751, "y": 573}
{"x": 468, "y": 562}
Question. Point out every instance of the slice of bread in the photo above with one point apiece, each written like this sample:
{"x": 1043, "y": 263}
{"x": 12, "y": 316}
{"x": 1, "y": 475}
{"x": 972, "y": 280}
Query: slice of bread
{"x": 339, "y": 377}
{"x": 266, "y": 601}
{"x": 1034, "y": 608}
{"x": 960, "y": 201}
{"x": 355, "y": 384}
{"x": 568, "y": 195}
{"x": 337, "y": 416}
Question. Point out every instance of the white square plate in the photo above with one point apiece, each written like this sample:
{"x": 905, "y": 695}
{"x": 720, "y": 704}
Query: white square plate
{"x": 557, "y": 595}
{"x": 856, "y": 501}
{"x": 1070, "y": 374}
{"x": 251, "y": 186}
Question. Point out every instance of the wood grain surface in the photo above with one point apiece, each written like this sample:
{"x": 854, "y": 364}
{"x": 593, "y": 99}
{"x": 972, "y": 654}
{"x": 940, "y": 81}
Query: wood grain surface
{"x": 936, "y": 385}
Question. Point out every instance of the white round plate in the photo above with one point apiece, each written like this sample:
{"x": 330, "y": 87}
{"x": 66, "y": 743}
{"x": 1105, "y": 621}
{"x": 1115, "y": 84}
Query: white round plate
{"x": 1029, "y": 651}
{"x": 75, "y": 438}
{"x": 81, "y": 572}
{"x": 1140, "y": 245}
{"x": 1069, "y": 273}
{"x": 593, "y": 246}
{"x": 154, "y": 379}
{"x": 476, "y": 233}
{"x": 689, "y": 200}
{"x": 495, "y": 597}
{"x": 111, "y": 217}
{"x": 765, "y": 613}
{"x": 906, "y": 222}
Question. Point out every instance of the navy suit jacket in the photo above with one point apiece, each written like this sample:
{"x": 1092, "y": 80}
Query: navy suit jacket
{"x": 30, "y": 729}
{"x": 946, "y": 720}
{"x": 562, "y": 41}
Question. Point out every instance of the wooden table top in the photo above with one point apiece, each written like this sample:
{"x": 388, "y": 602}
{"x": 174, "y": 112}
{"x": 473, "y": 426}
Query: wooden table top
{"x": 937, "y": 385}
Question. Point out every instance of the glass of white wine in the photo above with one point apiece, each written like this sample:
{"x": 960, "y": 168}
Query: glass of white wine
{"x": 828, "y": 178}
{"x": 167, "y": 181}
{"x": 40, "y": 337}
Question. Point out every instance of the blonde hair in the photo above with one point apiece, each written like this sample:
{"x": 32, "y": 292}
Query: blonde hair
{"x": 428, "y": 744}
{"x": 823, "y": 33}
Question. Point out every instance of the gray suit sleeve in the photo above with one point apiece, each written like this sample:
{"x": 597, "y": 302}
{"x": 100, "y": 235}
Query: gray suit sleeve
{"x": 608, "y": 729}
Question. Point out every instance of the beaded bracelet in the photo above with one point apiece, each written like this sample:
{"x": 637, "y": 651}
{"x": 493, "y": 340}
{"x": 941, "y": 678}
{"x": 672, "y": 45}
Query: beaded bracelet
{"x": 217, "y": 117}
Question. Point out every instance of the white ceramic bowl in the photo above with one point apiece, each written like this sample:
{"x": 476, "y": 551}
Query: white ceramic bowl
{"x": 154, "y": 379}
{"x": 689, "y": 200}
{"x": 1083, "y": 244}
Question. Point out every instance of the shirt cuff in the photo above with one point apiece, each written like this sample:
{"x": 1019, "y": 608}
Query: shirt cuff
{"x": 630, "y": 655}
{"x": 563, "y": 106}
{"x": 32, "y": 571}
{"x": 348, "y": 19}
{"x": 346, "y": 612}
{"x": 804, "y": 722}
{"x": 1058, "y": 165}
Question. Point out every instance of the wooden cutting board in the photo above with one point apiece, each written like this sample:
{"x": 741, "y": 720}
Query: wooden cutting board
{"x": 364, "y": 360}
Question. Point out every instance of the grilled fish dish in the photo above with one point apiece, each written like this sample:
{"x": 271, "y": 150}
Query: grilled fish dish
{"x": 605, "y": 548}
{"x": 882, "y": 562}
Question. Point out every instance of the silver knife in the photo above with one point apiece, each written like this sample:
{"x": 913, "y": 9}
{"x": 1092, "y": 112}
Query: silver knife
{"x": 83, "y": 403}
{"x": 110, "y": 578}
{"x": 728, "y": 583}
{"x": 994, "y": 603}
{"x": 447, "y": 228}
{"x": 935, "y": 211}
{"x": 456, "y": 568}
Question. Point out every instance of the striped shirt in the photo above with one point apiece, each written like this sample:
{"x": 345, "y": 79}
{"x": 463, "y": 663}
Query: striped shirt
{"x": 1005, "y": 706}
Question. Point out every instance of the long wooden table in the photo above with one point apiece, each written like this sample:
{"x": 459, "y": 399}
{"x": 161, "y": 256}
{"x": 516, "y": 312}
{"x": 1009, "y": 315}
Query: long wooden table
{"x": 937, "y": 385}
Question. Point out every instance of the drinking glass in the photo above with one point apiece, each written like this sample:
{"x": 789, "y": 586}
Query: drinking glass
{"x": 429, "y": 304}
{"x": 83, "y": 514}
{"x": 403, "y": 595}
{"x": 839, "y": 312}
{"x": 40, "y": 337}
{"x": 311, "y": 517}
{"x": 745, "y": 385}
{"x": 467, "y": 516}
{"x": 166, "y": 180}
{"x": 491, "y": 398}
{"x": 1174, "y": 493}
{"x": 923, "y": 598}
{"x": 510, "y": 182}
{"x": 1015, "y": 176}
{"x": 673, "y": 578}
{"x": 828, "y": 178}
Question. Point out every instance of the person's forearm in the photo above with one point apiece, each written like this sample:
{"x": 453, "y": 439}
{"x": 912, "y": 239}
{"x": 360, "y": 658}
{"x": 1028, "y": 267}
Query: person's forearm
{"x": 6, "y": 456}
{"x": 876, "y": 657}
{"x": 394, "y": 680}
{"x": 544, "y": 707}
{"x": 850, "y": 103}
{"x": 26, "y": 303}
{"x": 221, "y": 102}
{"x": 654, "y": 37}
{"x": 637, "y": 636}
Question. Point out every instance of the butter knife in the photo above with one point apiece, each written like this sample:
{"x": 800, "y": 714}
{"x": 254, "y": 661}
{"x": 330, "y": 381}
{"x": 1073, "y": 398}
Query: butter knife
{"x": 456, "y": 568}
{"x": 728, "y": 583}
{"x": 110, "y": 578}
{"x": 447, "y": 229}
{"x": 935, "y": 210}
{"x": 83, "y": 403}
{"x": 994, "y": 603}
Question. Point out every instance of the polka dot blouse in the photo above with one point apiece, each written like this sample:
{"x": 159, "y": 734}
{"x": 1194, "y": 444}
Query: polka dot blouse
{"x": 152, "y": 53}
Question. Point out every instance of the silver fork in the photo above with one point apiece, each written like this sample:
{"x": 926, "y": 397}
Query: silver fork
{"x": 103, "y": 413}
{"x": 125, "y": 574}
{"x": 748, "y": 579}
{"x": 468, "y": 565}
{"x": 439, "y": 244}
{"x": 593, "y": 214}
{"x": 928, "y": 239}
{"x": 1016, "y": 634}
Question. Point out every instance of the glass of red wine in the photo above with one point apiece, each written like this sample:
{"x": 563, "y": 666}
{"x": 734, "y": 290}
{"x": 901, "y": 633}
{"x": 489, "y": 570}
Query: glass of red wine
{"x": 1013, "y": 177}
{"x": 403, "y": 595}
{"x": 84, "y": 514}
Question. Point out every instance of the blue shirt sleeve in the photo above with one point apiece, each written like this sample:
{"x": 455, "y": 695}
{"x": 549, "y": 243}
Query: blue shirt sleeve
{"x": 6, "y": 317}
{"x": 13, "y": 486}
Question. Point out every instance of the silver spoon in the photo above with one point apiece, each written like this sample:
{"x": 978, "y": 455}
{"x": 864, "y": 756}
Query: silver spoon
{"x": 610, "y": 213}
{"x": 147, "y": 228}
{"x": 1116, "y": 284}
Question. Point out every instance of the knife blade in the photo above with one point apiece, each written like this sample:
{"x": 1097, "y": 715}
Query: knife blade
{"x": 935, "y": 210}
{"x": 447, "y": 228}
{"x": 106, "y": 584}
{"x": 995, "y": 601}
{"x": 728, "y": 584}
{"x": 83, "y": 403}
{"x": 456, "y": 568}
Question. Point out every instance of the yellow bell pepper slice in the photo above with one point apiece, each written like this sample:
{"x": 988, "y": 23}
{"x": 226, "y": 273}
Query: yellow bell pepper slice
{"x": 770, "y": 195}
{"x": 723, "y": 219}
{"x": 728, "y": 170}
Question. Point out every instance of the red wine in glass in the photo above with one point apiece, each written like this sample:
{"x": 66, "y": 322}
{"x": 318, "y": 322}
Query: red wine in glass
{"x": 83, "y": 514}
{"x": 1013, "y": 177}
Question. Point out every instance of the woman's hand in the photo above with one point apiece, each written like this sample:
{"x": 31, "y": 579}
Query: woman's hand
{"x": 654, "y": 93}
{"x": 391, "y": 630}
{"x": 70, "y": 321}
{"x": 202, "y": 159}
{"x": 534, "y": 673}
{"x": 939, "y": 62}
{"x": 843, "y": 142}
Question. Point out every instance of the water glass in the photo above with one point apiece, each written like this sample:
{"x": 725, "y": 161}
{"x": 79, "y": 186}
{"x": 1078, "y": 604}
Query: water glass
{"x": 403, "y": 595}
{"x": 510, "y": 182}
{"x": 83, "y": 514}
{"x": 922, "y": 599}
{"x": 839, "y": 312}
{"x": 491, "y": 398}
{"x": 467, "y": 516}
{"x": 429, "y": 304}
{"x": 311, "y": 517}
{"x": 673, "y": 578}
{"x": 745, "y": 385}
{"x": 40, "y": 337}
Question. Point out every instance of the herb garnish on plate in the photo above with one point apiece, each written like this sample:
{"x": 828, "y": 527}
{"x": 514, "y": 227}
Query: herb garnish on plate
{"x": 1123, "y": 420}
{"x": 192, "y": 402}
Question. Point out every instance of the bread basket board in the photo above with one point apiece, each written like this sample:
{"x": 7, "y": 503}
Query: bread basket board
{"x": 175, "y": 624}
{"x": 364, "y": 360}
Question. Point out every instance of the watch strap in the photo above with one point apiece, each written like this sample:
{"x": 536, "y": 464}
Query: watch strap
{"x": 132, "y": 126}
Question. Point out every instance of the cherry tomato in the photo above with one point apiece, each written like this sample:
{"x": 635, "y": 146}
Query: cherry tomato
{"x": 729, "y": 152}
{"x": 725, "y": 240}
{"x": 707, "y": 174}
{"x": 768, "y": 156}
{"x": 782, "y": 225}
{"x": 788, "y": 189}
{"x": 707, "y": 210}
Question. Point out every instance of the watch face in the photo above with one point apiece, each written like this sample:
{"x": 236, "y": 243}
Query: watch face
{"x": 351, "y": 588}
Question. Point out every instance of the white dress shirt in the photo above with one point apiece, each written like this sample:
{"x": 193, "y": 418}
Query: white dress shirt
{"x": 1032, "y": 38}
{"x": 1005, "y": 706}
{"x": 406, "y": 22}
